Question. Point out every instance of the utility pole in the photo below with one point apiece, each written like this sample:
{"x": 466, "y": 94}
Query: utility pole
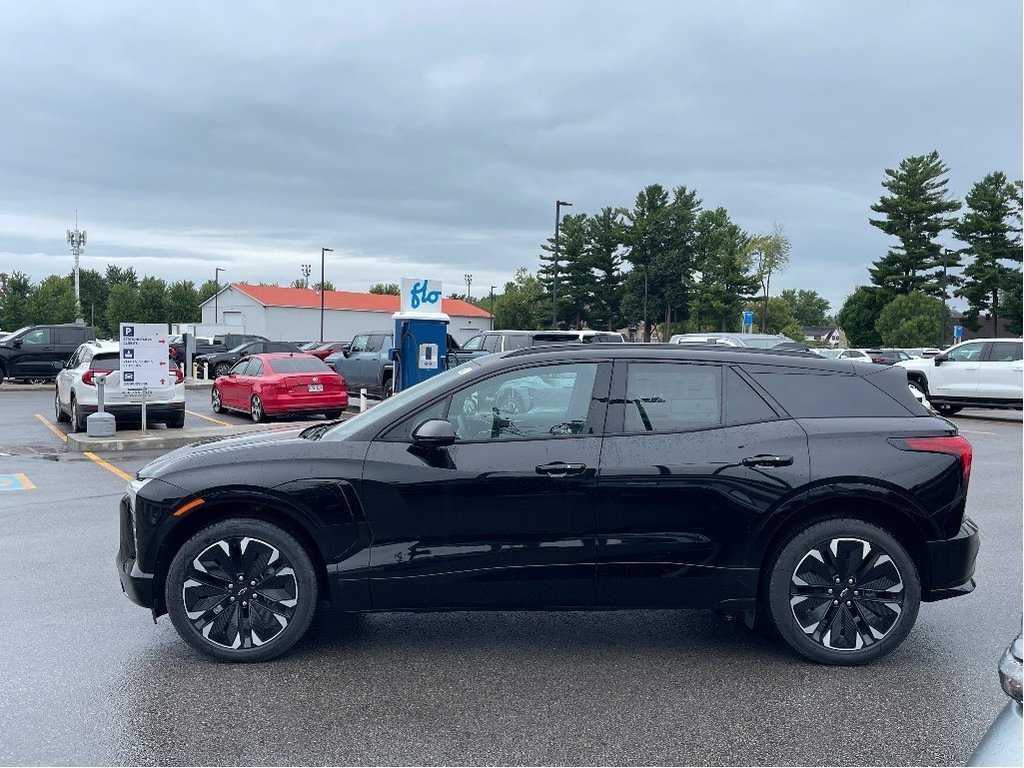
{"x": 216, "y": 293}
{"x": 322, "y": 290}
{"x": 76, "y": 239}
{"x": 559, "y": 204}
{"x": 945, "y": 311}
{"x": 492, "y": 306}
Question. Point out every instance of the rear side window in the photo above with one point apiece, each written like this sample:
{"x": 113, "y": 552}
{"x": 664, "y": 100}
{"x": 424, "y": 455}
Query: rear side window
{"x": 255, "y": 368}
{"x": 742, "y": 404}
{"x": 808, "y": 395}
{"x": 517, "y": 341}
{"x": 1006, "y": 351}
{"x": 671, "y": 397}
{"x": 70, "y": 335}
{"x": 492, "y": 342}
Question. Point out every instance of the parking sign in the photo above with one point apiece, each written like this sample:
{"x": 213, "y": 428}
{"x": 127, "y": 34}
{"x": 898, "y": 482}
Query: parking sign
{"x": 144, "y": 356}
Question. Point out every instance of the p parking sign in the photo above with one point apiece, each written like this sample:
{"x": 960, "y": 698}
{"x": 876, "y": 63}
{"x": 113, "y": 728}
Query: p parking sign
{"x": 144, "y": 356}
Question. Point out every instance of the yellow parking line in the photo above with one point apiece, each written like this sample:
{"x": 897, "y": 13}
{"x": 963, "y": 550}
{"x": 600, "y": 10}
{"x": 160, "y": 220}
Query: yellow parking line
{"x": 49, "y": 426}
{"x": 210, "y": 418}
{"x": 27, "y": 484}
{"x": 108, "y": 466}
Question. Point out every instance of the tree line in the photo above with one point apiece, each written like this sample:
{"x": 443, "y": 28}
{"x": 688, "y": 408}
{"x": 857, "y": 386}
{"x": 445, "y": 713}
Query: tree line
{"x": 903, "y": 304}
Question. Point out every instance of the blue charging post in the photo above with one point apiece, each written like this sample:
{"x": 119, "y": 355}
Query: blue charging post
{"x": 421, "y": 334}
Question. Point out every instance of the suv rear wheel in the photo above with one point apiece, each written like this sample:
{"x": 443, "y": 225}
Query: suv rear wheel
{"x": 843, "y": 591}
{"x": 241, "y": 590}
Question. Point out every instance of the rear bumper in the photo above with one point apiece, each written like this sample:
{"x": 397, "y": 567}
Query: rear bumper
{"x": 133, "y": 412}
{"x": 330, "y": 402}
{"x": 951, "y": 563}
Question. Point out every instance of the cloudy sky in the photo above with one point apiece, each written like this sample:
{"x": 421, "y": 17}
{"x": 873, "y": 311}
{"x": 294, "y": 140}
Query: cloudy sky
{"x": 432, "y": 138}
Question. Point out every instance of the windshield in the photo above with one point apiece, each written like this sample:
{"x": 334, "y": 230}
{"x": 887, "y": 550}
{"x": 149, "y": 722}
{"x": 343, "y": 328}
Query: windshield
{"x": 380, "y": 415}
{"x": 12, "y": 334}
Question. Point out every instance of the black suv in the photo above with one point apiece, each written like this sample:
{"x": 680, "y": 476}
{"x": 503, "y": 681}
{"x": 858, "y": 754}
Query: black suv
{"x": 814, "y": 496}
{"x": 38, "y": 352}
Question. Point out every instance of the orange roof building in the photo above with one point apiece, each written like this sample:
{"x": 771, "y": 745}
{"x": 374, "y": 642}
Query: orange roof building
{"x": 293, "y": 314}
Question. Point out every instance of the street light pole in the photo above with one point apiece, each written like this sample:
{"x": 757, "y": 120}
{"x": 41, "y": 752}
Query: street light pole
{"x": 945, "y": 311}
{"x": 322, "y": 290}
{"x": 216, "y": 292}
{"x": 492, "y": 306}
{"x": 559, "y": 204}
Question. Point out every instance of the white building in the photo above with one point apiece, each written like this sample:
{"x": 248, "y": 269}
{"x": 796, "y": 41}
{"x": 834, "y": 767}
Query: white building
{"x": 293, "y": 314}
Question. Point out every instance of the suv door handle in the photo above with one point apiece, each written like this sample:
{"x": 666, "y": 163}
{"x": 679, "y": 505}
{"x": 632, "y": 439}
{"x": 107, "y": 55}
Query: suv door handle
{"x": 560, "y": 469}
{"x": 764, "y": 460}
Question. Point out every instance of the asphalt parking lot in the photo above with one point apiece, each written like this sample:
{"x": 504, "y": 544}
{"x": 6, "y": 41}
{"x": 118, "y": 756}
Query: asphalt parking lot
{"x": 86, "y": 678}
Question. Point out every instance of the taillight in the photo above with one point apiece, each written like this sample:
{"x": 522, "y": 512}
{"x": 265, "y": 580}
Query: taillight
{"x": 954, "y": 446}
{"x": 179, "y": 375}
{"x": 89, "y": 376}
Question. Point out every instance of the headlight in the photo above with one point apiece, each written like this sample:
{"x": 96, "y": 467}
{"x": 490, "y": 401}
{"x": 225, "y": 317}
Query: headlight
{"x": 1010, "y": 670}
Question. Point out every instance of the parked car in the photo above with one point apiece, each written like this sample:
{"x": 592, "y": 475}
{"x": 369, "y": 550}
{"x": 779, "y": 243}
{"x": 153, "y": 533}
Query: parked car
{"x": 215, "y": 364}
{"x": 203, "y": 345}
{"x": 367, "y": 363}
{"x": 1001, "y": 744}
{"x": 814, "y": 495}
{"x": 981, "y": 373}
{"x": 888, "y": 356}
{"x": 327, "y": 348}
{"x": 503, "y": 341}
{"x": 753, "y": 340}
{"x": 76, "y": 394}
{"x": 36, "y": 353}
{"x": 280, "y": 384}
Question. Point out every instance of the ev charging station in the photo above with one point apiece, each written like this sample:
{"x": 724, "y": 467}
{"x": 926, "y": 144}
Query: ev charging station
{"x": 421, "y": 333}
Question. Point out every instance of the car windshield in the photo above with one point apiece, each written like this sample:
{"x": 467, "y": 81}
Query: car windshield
{"x": 12, "y": 334}
{"x": 766, "y": 343}
{"x": 298, "y": 365}
{"x": 381, "y": 414}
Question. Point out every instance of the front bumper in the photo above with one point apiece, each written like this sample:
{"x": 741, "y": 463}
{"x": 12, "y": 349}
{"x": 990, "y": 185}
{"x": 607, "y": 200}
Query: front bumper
{"x": 950, "y": 563}
{"x": 136, "y": 584}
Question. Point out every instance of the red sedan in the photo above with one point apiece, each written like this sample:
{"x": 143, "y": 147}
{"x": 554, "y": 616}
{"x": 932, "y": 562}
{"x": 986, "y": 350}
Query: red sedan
{"x": 280, "y": 383}
{"x": 329, "y": 348}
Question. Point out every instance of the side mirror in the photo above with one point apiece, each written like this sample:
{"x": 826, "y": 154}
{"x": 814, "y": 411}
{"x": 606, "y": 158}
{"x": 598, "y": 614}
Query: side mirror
{"x": 939, "y": 359}
{"x": 16, "y": 343}
{"x": 434, "y": 433}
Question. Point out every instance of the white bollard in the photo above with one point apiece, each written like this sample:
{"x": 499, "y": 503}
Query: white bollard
{"x": 362, "y": 399}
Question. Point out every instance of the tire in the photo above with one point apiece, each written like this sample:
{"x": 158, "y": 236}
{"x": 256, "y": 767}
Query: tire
{"x": 58, "y": 412}
{"x": 207, "y": 604}
{"x": 215, "y": 403}
{"x": 256, "y": 410}
{"x": 332, "y": 415}
{"x": 221, "y": 369}
{"x": 806, "y": 602}
{"x": 388, "y": 389}
{"x": 77, "y": 422}
{"x": 947, "y": 410}
{"x": 177, "y": 421}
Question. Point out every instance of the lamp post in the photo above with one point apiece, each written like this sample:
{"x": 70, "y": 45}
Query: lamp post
{"x": 492, "y": 306}
{"x": 945, "y": 312}
{"x": 216, "y": 292}
{"x": 469, "y": 285}
{"x": 559, "y": 204}
{"x": 322, "y": 290}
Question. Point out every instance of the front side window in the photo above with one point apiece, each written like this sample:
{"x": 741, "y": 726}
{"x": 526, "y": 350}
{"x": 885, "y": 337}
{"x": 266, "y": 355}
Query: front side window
{"x": 669, "y": 397}
{"x": 360, "y": 343}
{"x": 965, "y": 353}
{"x": 475, "y": 344}
{"x": 239, "y": 368}
{"x": 539, "y": 402}
{"x": 1006, "y": 351}
{"x": 37, "y": 337}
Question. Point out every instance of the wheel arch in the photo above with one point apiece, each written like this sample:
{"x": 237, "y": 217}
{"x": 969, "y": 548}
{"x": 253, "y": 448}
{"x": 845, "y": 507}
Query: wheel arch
{"x": 226, "y": 508}
{"x": 918, "y": 378}
{"x": 908, "y": 527}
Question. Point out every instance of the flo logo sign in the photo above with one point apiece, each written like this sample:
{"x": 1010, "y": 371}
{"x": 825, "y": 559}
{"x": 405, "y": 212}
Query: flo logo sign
{"x": 421, "y": 295}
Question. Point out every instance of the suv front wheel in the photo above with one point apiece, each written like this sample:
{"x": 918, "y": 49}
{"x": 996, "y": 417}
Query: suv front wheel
{"x": 843, "y": 591}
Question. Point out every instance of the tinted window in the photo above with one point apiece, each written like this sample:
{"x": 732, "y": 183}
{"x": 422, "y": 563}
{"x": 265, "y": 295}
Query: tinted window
{"x": 966, "y": 353}
{"x": 37, "y": 337}
{"x": 70, "y": 335}
{"x": 533, "y": 403}
{"x": 517, "y": 341}
{"x": 742, "y": 404}
{"x": 807, "y": 395}
{"x": 475, "y": 343}
{"x": 1006, "y": 351}
{"x": 299, "y": 365}
{"x": 240, "y": 367}
{"x": 255, "y": 368}
{"x": 668, "y": 397}
{"x": 106, "y": 361}
{"x": 377, "y": 342}
{"x": 492, "y": 342}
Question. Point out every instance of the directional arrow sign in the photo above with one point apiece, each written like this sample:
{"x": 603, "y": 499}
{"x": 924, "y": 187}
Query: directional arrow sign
{"x": 143, "y": 355}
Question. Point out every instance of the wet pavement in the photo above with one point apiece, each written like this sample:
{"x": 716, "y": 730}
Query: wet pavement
{"x": 86, "y": 677}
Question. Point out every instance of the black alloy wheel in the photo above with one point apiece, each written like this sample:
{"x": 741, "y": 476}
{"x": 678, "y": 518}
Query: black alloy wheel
{"x": 843, "y": 592}
{"x": 221, "y": 369}
{"x": 215, "y": 403}
{"x": 241, "y": 590}
{"x": 256, "y": 409}
{"x": 58, "y": 412}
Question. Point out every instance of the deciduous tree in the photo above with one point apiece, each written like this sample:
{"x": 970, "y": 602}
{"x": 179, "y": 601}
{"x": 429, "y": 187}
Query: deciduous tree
{"x": 860, "y": 312}
{"x": 910, "y": 320}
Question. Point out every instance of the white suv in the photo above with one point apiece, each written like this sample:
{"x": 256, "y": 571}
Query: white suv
{"x": 76, "y": 395}
{"x": 981, "y": 373}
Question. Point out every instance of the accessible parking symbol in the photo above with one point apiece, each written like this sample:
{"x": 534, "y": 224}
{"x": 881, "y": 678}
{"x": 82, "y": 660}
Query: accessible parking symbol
{"x": 16, "y": 482}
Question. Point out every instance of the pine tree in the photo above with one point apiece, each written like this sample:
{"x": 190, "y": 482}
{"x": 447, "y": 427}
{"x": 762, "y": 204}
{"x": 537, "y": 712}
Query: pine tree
{"x": 916, "y": 213}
